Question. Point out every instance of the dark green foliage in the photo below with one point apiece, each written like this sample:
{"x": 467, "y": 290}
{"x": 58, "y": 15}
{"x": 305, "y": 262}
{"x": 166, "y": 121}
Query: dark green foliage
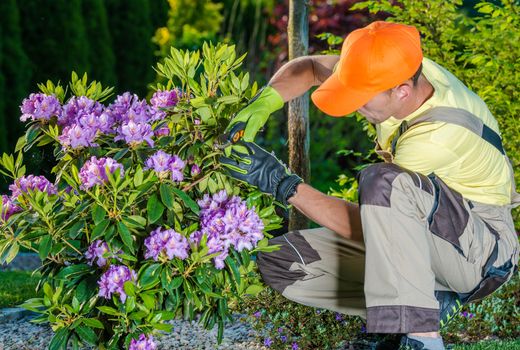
{"x": 100, "y": 54}
{"x": 54, "y": 38}
{"x": 15, "y": 67}
{"x": 131, "y": 30}
{"x": 158, "y": 12}
{"x": 3, "y": 136}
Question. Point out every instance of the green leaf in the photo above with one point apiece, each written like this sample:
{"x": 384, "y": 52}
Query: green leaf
{"x": 167, "y": 195}
{"x": 13, "y": 251}
{"x": 108, "y": 310}
{"x": 129, "y": 287}
{"x": 87, "y": 334}
{"x": 148, "y": 300}
{"x": 45, "y": 247}
{"x": 155, "y": 209}
{"x": 98, "y": 214}
{"x": 73, "y": 271}
{"x": 233, "y": 267}
{"x": 100, "y": 229}
{"x": 187, "y": 200}
{"x": 176, "y": 282}
{"x": 93, "y": 323}
{"x": 59, "y": 341}
{"x": 150, "y": 276}
{"x": 126, "y": 236}
{"x": 134, "y": 221}
{"x": 75, "y": 230}
{"x": 254, "y": 289}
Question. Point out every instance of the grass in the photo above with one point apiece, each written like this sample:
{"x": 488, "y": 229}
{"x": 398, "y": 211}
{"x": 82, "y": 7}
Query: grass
{"x": 16, "y": 287}
{"x": 490, "y": 345}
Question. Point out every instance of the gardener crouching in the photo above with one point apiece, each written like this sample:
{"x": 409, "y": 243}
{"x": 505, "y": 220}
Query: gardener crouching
{"x": 433, "y": 228}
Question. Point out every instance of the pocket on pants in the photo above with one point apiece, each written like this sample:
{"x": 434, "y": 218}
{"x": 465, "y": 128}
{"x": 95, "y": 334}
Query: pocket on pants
{"x": 449, "y": 216}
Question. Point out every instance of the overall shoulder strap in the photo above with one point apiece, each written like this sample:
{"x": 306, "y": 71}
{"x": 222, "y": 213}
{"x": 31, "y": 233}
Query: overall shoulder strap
{"x": 456, "y": 116}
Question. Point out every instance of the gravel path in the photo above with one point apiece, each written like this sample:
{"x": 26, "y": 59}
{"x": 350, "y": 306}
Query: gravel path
{"x": 24, "y": 335}
{"x": 238, "y": 335}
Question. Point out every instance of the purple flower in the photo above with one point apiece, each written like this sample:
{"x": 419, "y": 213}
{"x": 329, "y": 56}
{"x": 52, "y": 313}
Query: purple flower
{"x": 167, "y": 242}
{"x": 176, "y": 167}
{"x": 294, "y": 346}
{"x": 40, "y": 107}
{"x": 227, "y": 222}
{"x": 195, "y": 170}
{"x": 268, "y": 342}
{"x": 280, "y": 330}
{"x": 135, "y": 133}
{"x": 164, "y": 99}
{"x": 159, "y": 162}
{"x": 283, "y": 338}
{"x": 318, "y": 311}
{"x": 113, "y": 280}
{"x": 87, "y": 113}
{"x": 94, "y": 171}
{"x": 258, "y": 314}
{"x": 31, "y": 183}
{"x": 8, "y": 208}
{"x": 96, "y": 251}
{"x": 162, "y": 131}
{"x": 363, "y": 328}
{"x": 76, "y": 136}
{"x": 164, "y": 164}
{"x": 339, "y": 317}
{"x": 144, "y": 343}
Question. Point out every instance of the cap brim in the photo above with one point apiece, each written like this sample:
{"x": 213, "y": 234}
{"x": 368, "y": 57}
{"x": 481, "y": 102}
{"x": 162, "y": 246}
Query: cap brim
{"x": 337, "y": 100}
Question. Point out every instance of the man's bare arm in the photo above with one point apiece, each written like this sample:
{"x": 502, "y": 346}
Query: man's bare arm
{"x": 296, "y": 77}
{"x": 334, "y": 213}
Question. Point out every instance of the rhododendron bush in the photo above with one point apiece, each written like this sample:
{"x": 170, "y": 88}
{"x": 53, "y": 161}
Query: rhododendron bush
{"x": 137, "y": 223}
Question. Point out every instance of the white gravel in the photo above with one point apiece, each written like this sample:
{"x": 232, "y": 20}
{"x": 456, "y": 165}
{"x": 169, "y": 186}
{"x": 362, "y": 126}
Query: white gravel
{"x": 238, "y": 335}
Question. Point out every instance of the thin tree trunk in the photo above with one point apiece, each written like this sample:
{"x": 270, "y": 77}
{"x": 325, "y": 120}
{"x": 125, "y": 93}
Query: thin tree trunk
{"x": 298, "y": 39}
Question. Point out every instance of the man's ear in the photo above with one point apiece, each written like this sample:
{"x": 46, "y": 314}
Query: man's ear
{"x": 403, "y": 91}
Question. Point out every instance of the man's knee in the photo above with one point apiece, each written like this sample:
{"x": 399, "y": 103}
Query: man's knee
{"x": 377, "y": 181}
{"x": 275, "y": 267}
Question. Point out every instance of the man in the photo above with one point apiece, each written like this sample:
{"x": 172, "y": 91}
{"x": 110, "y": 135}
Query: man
{"x": 433, "y": 227}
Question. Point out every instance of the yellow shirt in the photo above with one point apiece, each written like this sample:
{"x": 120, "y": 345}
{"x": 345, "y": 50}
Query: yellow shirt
{"x": 463, "y": 160}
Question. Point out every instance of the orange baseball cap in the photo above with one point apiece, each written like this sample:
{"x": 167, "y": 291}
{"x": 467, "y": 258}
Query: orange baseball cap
{"x": 373, "y": 59}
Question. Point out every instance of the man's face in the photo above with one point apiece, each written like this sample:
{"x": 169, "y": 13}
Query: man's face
{"x": 379, "y": 108}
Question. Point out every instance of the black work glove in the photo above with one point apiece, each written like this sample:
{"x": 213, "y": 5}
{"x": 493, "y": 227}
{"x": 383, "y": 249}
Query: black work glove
{"x": 263, "y": 170}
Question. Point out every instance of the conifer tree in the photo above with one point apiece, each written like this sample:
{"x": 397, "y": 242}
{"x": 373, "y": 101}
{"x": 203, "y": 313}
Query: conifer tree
{"x": 131, "y": 30}
{"x": 100, "y": 55}
{"x": 15, "y": 67}
{"x": 54, "y": 38}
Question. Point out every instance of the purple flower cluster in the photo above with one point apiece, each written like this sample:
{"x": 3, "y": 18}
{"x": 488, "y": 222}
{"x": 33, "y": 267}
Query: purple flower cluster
{"x": 8, "y": 208}
{"x": 164, "y": 99}
{"x": 94, "y": 171}
{"x": 83, "y": 120}
{"x": 144, "y": 343}
{"x": 164, "y": 164}
{"x": 113, "y": 280}
{"x": 227, "y": 222}
{"x": 40, "y": 107}
{"x": 167, "y": 242}
{"x": 467, "y": 315}
{"x": 195, "y": 170}
{"x": 134, "y": 118}
{"x": 97, "y": 251}
{"x": 32, "y": 183}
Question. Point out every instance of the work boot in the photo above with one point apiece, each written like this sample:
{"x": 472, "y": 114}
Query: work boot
{"x": 408, "y": 343}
